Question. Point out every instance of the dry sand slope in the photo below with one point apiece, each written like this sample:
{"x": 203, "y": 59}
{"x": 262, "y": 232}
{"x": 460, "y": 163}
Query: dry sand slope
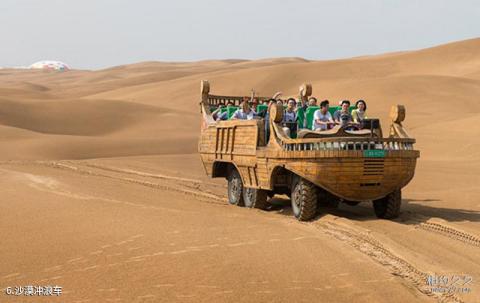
{"x": 102, "y": 192}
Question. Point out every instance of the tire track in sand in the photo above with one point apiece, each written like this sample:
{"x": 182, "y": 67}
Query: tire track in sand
{"x": 363, "y": 242}
{"x": 448, "y": 231}
{"x": 368, "y": 245}
{"x": 180, "y": 185}
{"x": 193, "y": 187}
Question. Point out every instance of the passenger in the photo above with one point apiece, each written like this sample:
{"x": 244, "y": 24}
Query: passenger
{"x": 322, "y": 117}
{"x": 244, "y": 112}
{"x": 343, "y": 116}
{"x": 215, "y": 112}
{"x": 224, "y": 115}
{"x": 312, "y": 101}
{"x": 290, "y": 114}
{"x": 360, "y": 112}
{"x": 290, "y": 118}
{"x": 254, "y": 104}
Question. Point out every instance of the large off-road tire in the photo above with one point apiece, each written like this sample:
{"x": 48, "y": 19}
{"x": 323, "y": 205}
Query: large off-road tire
{"x": 304, "y": 200}
{"x": 235, "y": 188}
{"x": 389, "y": 206}
{"x": 255, "y": 198}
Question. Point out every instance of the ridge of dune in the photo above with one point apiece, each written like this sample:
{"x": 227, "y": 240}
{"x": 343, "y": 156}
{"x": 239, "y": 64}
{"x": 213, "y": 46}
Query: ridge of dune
{"x": 156, "y": 99}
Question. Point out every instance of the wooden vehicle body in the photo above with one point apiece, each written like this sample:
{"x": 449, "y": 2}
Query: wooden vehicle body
{"x": 339, "y": 165}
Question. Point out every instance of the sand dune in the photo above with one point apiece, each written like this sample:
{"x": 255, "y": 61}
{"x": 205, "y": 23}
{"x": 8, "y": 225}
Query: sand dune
{"x": 111, "y": 154}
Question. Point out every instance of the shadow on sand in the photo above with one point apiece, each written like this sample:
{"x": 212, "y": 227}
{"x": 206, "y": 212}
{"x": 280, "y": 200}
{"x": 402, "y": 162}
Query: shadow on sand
{"x": 413, "y": 211}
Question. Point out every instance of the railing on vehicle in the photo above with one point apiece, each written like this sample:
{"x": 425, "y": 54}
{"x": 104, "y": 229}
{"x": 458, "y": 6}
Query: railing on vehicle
{"x": 215, "y": 100}
{"x": 347, "y": 143}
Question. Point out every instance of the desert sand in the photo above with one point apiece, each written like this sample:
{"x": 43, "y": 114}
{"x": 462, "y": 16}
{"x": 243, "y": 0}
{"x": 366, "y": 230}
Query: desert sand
{"x": 102, "y": 191}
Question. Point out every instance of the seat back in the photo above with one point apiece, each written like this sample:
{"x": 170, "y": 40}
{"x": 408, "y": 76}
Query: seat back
{"x": 231, "y": 110}
{"x": 300, "y": 117}
{"x": 261, "y": 108}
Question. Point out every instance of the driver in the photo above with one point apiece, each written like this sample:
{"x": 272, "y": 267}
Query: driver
{"x": 343, "y": 116}
{"x": 224, "y": 115}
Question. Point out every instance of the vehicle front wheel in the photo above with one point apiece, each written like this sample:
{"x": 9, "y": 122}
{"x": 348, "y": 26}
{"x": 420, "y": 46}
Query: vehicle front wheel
{"x": 235, "y": 188}
{"x": 389, "y": 206}
{"x": 304, "y": 200}
{"x": 255, "y": 198}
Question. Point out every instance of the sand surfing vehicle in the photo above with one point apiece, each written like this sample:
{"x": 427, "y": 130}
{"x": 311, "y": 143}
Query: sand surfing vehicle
{"x": 340, "y": 165}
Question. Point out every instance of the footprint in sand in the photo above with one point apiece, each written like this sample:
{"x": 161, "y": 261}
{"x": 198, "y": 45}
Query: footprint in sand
{"x": 55, "y": 278}
{"x": 88, "y": 268}
{"x": 54, "y": 268}
{"x": 164, "y": 285}
{"x": 206, "y": 286}
{"x": 75, "y": 260}
{"x": 149, "y": 296}
{"x": 137, "y": 236}
{"x": 345, "y": 286}
{"x": 10, "y": 276}
{"x": 185, "y": 296}
{"x": 223, "y": 292}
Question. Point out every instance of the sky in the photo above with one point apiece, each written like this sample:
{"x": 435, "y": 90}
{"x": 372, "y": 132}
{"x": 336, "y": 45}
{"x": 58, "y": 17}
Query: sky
{"x": 95, "y": 34}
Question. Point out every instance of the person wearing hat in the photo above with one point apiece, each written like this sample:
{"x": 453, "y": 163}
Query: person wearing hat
{"x": 360, "y": 112}
{"x": 343, "y": 116}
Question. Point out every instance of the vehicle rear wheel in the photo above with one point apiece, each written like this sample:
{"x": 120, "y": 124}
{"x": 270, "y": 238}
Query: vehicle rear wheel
{"x": 255, "y": 198}
{"x": 304, "y": 200}
{"x": 389, "y": 206}
{"x": 235, "y": 188}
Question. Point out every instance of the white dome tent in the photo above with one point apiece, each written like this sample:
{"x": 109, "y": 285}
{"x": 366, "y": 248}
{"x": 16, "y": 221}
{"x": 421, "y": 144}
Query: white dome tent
{"x": 50, "y": 65}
